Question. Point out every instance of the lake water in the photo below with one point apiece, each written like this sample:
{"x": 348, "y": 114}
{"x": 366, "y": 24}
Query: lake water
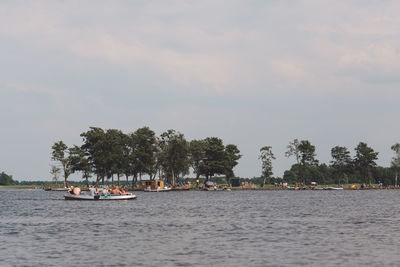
{"x": 238, "y": 228}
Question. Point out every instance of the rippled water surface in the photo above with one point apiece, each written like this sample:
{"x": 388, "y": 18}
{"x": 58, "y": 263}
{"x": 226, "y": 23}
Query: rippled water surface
{"x": 238, "y": 228}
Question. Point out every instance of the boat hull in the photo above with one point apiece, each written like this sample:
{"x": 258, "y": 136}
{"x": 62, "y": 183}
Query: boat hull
{"x": 157, "y": 190}
{"x": 98, "y": 197}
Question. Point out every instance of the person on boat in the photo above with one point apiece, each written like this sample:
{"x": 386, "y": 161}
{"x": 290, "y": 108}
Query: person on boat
{"x": 105, "y": 191}
{"x": 91, "y": 191}
{"x": 71, "y": 190}
{"x": 77, "y": 191}
{"x": 115, "y": 191}
{"x": 124, "y": 192}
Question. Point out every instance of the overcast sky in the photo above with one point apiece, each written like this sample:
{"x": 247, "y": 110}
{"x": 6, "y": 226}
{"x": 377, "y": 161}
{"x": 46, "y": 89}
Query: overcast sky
{"x": 253, "y": 73}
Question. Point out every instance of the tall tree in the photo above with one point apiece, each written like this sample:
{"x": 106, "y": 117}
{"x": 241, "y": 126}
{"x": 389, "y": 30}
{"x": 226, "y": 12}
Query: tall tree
{"x": 307, "y": 153}
{"x": 214, "y": 157}
{"x": 145, "y": 147}
{"x": 78, "y": 161}
{"x": 396, "y": 160}
{"x": 197, "y": 150}
{"x": 96, "y": 149}
{"x": 293, "y": 150}
{"x": 59, "y": 154}
{"x": 365, "y": 161}
{"x": 341, "y": 161}
{"x": 115, "y": 145}
{"x": 174, "y": 155}
{"x": 266, "y": 157}
{"x": 55, "y": 173}
{"x": 232, "y": 156}
{"x": 6, "y": 179}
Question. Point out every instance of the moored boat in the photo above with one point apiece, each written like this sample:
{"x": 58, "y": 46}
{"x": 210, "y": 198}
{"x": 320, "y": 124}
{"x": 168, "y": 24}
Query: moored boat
{"x": 165, "y": 189}
{"x": 333, "y": 188}
{"x": 155, "y": 186}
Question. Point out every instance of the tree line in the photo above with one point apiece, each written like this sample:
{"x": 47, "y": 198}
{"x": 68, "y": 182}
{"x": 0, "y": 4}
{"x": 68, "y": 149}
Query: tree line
{"x": 111, "y": 154}
{"x": 106, "y": 155}
{"x": 362, "y": 168}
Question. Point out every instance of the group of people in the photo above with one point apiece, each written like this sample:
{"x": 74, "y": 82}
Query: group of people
{"x": 115, "y": 190}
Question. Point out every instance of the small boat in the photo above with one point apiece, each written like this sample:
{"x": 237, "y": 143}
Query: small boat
{"x": 56, "y": 189}
{"x": 165, "y": 189}
{"x": 333, "y": 188}
{"x": 155, "y": 186}
{"x": 99, "y": 197}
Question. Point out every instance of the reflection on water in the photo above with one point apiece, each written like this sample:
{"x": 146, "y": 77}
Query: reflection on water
{"x": 238, "y": 228}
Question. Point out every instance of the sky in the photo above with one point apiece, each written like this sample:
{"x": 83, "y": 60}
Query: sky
{"x": 253, "y": 73}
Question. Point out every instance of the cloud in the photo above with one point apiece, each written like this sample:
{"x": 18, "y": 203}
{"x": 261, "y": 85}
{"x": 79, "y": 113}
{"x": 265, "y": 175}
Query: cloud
{"x": 205, "y": 67}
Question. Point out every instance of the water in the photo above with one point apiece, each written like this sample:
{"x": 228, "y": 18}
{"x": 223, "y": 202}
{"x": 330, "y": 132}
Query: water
{"x": 238, "y": 228}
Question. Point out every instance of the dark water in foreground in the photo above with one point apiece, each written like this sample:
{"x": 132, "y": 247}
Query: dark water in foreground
{"x": 239, "y": 228}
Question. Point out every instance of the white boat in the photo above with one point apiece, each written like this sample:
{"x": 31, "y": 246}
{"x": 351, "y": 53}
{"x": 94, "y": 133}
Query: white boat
{"x": 165, "y": 189}
{"x": 56, "y": 189}
{"x": 59, "y": 189}
{"x": 333, "y": 188}
{"x": 99, "y": 197}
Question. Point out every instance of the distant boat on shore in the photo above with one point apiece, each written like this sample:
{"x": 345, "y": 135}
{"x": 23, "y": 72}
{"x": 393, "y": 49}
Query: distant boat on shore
{"x": 56, "y": 189}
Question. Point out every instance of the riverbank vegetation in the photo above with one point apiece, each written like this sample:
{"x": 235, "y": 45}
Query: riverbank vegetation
{"x": 111, "y": 155}
{"x": 114, "y": 155}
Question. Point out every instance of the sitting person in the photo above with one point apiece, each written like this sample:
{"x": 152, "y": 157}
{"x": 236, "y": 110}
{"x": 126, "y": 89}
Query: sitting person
{"x": 124, "y": 192}
{"x": 105, "y": 191}
{"x": 77, "y": 191}
{"x": 71, "y": 190}
{"x": 115, "y": 191}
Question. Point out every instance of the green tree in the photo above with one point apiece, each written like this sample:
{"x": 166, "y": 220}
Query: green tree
{"x": 365, "y": 161}
{"x": 59, "y": 154}
{"x": 197, "y": 150}
{"x": 266, "y": 157}
{"x": 293, "y": 150}
{"x": 396, "y": 160}
{"x": 96, "y": 149}
{"x": 115, "y": 140}
{"x": 214, "y": 157}
{"x": 78, "y": 161}
{"x": 174, "y": 156}
{"x": 6, "y": 179}
{"x": 307, "y": 153}
{"x": 55, "y": 173}
{"x": 232, "y": 157}
{"x": 341, "y": 161}
{"x": 145, "y": 147}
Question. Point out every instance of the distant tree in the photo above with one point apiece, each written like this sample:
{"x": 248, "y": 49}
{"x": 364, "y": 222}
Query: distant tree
{"x": 115, "y": 140}
{"x": 341, "y": 161}
{"x": 174, "y": 156}
{"x": 304, "y": 152}
{"x": 365, "y": 161}
{"x": 55, "y": 172}
{"x": 59, "y": 154}
{"x": 6, "y": 179}
{"x": 78, "y": 161}
{"x": 266, "y": 157}
{"x": 293, "y": 150}
{"x": 232, "y": 156}
{"x": 144, "y": 147}
{"x": 396, "y": 159}
{"x": 197, "y": 150}
{"x": 307, "y": 153}
{"x": 96, "y": 149}
{"x": 214, "y": 157}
